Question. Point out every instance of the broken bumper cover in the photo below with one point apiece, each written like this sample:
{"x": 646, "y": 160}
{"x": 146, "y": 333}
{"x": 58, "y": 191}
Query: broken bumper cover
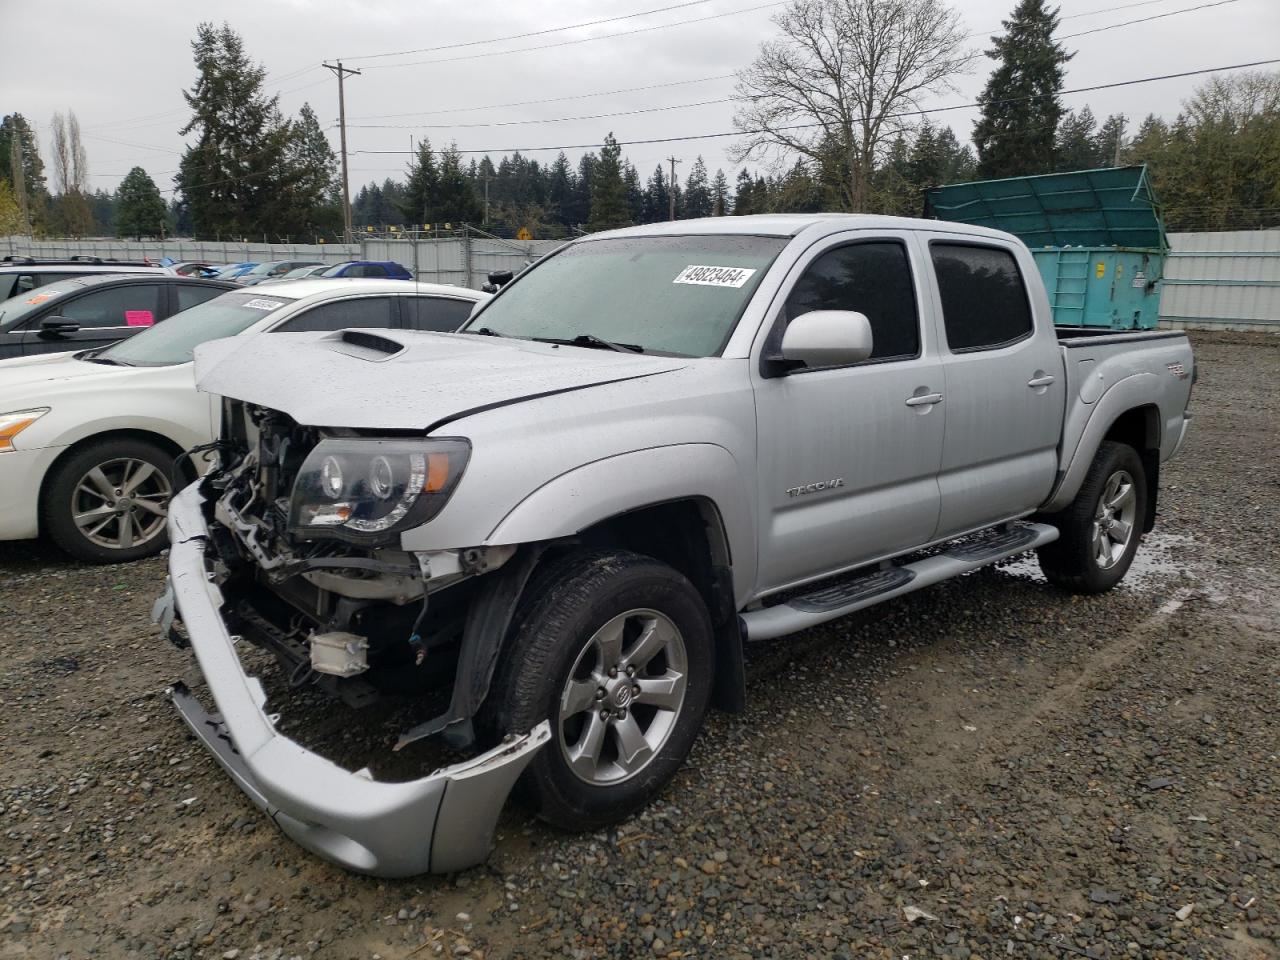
{"x": 440, "y": 823}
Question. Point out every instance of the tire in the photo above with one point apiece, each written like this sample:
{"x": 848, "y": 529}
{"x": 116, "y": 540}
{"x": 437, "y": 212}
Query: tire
{"x": 114, "y": 527}
{"x": 1102, "y": 527}
{"x": 579, "y": 609}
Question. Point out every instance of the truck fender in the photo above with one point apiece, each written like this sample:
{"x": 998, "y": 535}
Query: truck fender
{"x": 1123, "y": 396}
{"x": 586, "y": 495}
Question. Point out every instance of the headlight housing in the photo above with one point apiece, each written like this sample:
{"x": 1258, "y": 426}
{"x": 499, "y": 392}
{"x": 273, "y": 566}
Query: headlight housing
{"x": 12, "y": 424}
{"x": 368, "y": 490}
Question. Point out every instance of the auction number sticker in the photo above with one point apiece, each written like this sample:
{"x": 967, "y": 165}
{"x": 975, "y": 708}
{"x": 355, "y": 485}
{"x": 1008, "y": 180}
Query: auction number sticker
{"x": 261, "y": 304}
{"x": 705, "y": 276}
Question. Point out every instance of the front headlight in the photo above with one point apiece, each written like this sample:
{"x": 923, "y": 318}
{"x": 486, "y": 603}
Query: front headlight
{"x": 363, "y": 490}
{"x": 12, "y": 424}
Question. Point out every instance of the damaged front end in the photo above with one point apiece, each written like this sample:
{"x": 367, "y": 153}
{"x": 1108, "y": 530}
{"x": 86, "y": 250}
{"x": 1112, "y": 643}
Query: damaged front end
{"x": 331, "y": 596}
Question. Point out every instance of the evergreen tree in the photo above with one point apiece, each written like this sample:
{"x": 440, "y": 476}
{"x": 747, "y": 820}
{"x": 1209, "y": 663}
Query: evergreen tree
{"x": 1110, "y": 135}
{"x": 560, "y": 190}
{"x": 33, "y": 179}
{"x": 719, "y": 195}
{"x": 10, "y": 216}
{"x": 582, "y": 189}
{"x": 697, "y": 191}
{"x": 455, "y": 200}
{"x": 744, "y": 194}
{"x": 657, "y": 198}
{"x": 608, "y": 192}
{"x": 234, "y": 179}
{"x": 102, "y": 207}
{"x": 311, "y": 185}
{"x": 418, "y": 204}
{"x": 635, "y": 192}
{"x": 140, "y": 210}
{"x": 1075, "y": 145}
{"x": 1020, "y": 108}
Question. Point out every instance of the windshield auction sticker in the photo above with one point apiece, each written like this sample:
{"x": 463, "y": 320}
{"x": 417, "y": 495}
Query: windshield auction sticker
{"x": 704, "y": 276}
{"x": 261, "y": 304}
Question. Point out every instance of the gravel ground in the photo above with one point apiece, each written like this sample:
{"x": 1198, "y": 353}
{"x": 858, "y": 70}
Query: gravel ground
{"x": 989, "y": 768}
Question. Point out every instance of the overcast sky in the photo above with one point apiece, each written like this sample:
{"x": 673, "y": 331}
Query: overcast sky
{"x": 121, "y": 66}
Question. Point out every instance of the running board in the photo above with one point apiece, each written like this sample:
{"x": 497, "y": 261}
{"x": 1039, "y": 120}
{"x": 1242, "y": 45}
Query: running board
{"x": 832, "y": 601}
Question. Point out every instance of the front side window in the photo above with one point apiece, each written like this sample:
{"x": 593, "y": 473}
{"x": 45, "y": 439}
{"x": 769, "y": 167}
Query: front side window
{"x": 984, "y": 301}
{"x": 127, "y": 305}
{"x": 870, "y": 278}
{"x": 342, "y": 314}
{"x": 674, "y": 295}
{"x": 175, "y": 340}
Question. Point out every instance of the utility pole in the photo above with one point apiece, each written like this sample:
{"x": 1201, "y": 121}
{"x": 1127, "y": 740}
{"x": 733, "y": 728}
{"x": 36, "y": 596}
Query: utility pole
{"x": 671, "y": 189}
{"x": 1119, "y": 138}
{"x": 340, "y": 72}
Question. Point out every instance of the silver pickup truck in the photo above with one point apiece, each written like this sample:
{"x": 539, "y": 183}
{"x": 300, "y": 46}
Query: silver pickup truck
{"x": 562, "y": 523}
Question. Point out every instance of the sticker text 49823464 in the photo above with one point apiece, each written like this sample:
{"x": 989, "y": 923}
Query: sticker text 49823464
{"x": 706, "y": 276}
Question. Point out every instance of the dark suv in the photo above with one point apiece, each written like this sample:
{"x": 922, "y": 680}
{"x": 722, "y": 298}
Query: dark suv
{"x": 93, "y": 311}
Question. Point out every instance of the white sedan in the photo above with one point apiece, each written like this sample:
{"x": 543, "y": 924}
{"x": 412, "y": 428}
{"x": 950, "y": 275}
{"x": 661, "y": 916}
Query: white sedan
{"x": 89, "y": 441}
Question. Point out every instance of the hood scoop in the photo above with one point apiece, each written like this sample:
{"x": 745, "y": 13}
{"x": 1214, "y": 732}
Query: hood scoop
{"x": 363, "y": 345}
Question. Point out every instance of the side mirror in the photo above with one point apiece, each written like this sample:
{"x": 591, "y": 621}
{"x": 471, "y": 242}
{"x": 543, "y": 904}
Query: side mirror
{"x": 58, "y": 326}
{"x": 827, "y": 338}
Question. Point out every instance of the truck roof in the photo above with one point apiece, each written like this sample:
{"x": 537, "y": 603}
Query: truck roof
{"x": 793, "y": 224}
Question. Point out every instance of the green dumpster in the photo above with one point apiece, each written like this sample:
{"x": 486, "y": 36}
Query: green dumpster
{"x": 1097, "y": 237}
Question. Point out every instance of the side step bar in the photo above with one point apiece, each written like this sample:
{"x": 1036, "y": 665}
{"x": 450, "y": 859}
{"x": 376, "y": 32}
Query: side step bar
{"x": 829, "y": 602}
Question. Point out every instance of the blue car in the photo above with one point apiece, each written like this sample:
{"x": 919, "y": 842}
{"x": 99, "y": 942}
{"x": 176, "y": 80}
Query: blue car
{"x": 234, "y": 270}
{"x": 369, "y": 268}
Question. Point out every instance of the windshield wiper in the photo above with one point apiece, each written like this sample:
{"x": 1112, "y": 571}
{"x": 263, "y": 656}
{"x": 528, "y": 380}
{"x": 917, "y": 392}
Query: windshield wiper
{"x": 485, "y": 332}
{"x": 591, "y": 340}
{"x": 95, "y": 356}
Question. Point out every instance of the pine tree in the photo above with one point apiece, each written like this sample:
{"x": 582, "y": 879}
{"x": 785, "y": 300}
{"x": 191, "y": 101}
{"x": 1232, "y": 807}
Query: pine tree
{"x": 140, "y": 210}
{"x": 657, "y": 198}
{"x": 1075, "y": 145}
{"x": 719, "y": 195}
{"x": 418, "y": 204}
{"x": 583, "y": 186}
{"x": 635, "y": 192}
{"x": 455, "y": 200}
{"x": 697, "y": 191}
{"x": 33, "y": 179}
{"x": 311, "y": 186}
{"x": 233, "y": 178}
{"x": 608, "y": 192}
{"x": 1020, "y": 108}
{"x": 560, "y": 189}
{"x": 1109, "y": 136}
{"x": 744, "y": 195}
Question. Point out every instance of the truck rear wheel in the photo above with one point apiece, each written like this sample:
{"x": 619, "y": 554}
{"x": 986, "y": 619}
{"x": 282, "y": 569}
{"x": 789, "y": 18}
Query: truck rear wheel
{"x": 1101, "y": 528}
{"x": 615, "y": 649}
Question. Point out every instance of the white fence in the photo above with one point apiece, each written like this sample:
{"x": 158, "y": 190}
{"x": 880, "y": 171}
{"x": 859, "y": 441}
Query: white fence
{"x": 464, "y": 261}
{"x": 1222, "y": 281}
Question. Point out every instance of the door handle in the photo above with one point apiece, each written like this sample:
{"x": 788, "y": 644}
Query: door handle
{"x": 1040, "y": 381}
{"x": 927, "y": 399}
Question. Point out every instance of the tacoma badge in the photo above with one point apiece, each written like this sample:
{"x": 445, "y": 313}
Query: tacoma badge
{"x": 815, "y": 487}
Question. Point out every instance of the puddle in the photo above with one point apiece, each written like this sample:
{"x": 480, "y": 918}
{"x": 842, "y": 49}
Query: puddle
{"x": 1159, "y": 559}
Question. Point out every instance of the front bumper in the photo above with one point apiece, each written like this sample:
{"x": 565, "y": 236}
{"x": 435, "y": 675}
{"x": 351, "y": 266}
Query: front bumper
{"x": 21, "y": 474}
{"x": 440, "y": 823}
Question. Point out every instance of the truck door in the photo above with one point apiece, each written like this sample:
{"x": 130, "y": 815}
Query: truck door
{"x": 849, "y": 455}
{"x": 1004, "y": 384}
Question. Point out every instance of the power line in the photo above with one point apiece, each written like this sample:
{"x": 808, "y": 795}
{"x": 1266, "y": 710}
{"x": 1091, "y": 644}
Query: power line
{"x": 576, "y": 96}
{"x": 517, "y": 123}
{"x": 569, "y": 43}
{"x": 809, "y": 126}
{"x": 532, "y": 33}
{"x": 1157, "y": 16}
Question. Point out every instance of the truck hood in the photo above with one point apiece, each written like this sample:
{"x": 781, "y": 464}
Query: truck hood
{"x": 396, "y": 380}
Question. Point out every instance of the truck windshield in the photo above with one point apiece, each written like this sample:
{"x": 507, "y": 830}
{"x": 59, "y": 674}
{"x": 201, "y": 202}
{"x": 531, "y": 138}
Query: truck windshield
{"x": 174, "y": 340}
{"x": 673, "y": 295}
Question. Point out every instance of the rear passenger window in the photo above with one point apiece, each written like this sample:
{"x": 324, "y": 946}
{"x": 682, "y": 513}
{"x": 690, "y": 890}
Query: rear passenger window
{"x": 438, "y": 314}
{"x": 364, "y": 312}
{"x": 870, "y": 278}
{"x": 191, "y": 294}
{"x": 124, "y": 305}
{"x": 984, "y": 301}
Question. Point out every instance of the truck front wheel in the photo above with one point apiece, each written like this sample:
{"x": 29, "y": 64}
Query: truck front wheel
{"x": 615, "y": 649}
{"x": 1100, "y": 529}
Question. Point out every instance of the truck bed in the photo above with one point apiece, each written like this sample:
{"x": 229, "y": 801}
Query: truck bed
{"x": 1099, "y": 336}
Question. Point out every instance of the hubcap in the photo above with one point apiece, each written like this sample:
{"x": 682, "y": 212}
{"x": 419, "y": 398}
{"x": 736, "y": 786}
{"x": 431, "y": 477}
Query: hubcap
{"x": 121, "y": 504}
{"x": 623, "y": 697}
{"x": 1114, "y": 520}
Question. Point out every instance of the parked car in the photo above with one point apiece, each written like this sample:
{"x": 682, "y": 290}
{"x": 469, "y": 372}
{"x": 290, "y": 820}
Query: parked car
{"x": 653, "y": 445}
{"x": 195, "y": 268}
{"x": 300, "y": 273}
{"x": 89, "y": 440}
{"x": 19, "y": 275}
{"x": 93, "y": 311}
{"x": 233, "y": 270}
{"x": 369, "y": 268}
{"x": 273, "y": 270}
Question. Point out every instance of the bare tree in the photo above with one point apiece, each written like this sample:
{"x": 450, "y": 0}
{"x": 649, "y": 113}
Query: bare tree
{"x": 835, "y": 86}
{"x": 70, "y": 164}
